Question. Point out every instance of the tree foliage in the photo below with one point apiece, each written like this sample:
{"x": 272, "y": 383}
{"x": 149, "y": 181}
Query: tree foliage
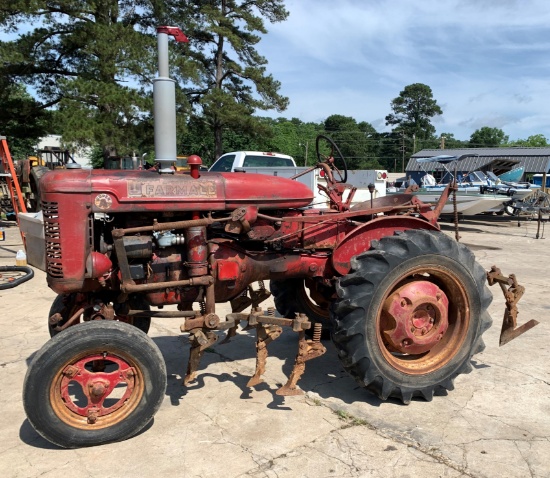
{"x": 487, "y": 137}
{"x": 23, "y": 121}
{"x": 533, "y": 141}
{"x": 92, "y": 60}
{"x": 448, "y": 141}
{"x": 231, "y": 81}
{"x": 413, "y": 110}
{"x": 356, "y": 141}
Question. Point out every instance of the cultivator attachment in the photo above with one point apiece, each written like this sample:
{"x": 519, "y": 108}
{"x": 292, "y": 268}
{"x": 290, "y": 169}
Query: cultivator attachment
{"x": 512, "y": 294}
{"x": 268, "y": 328}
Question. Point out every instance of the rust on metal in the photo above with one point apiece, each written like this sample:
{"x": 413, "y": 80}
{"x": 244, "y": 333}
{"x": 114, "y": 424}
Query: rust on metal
{"x": 97, "y": 386}
{"x": 265, "y": 334}
{"x": 512, "y": 295}
{"x": 307, "y": 350}
{"x": 419, "y": 317}
{"x": 200, "y": 341}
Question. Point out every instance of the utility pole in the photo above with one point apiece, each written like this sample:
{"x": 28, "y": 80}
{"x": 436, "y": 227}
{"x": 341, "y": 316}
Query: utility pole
{"x": 306, "y": 145}
{"x": 442, "y": 142}
{"x": 402, "y": 151}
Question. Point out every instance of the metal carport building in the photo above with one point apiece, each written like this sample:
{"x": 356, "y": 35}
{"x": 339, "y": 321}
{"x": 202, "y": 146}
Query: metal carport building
{"x": 497, "y": 160}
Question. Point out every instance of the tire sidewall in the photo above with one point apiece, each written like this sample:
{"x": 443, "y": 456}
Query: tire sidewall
{"x": 80, "y": 340}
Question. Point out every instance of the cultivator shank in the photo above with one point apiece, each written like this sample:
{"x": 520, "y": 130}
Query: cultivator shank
{"x": 512, "y": 294}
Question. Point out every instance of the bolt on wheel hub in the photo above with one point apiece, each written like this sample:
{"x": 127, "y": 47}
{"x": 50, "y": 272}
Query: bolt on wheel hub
{"x": 415, "y": 317}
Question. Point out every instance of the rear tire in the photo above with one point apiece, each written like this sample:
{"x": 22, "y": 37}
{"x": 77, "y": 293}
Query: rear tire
{"x": 95, "y": 383}
{"x": 36, "y": 173}
{"x": 291, "y": 297}
{"x": 410, "y": 315}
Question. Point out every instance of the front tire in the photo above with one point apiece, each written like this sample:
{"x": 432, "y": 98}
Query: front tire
{"x": 95, "y": 383}
{"x": 66, "y": 306}
{"x": 410, "y": 315}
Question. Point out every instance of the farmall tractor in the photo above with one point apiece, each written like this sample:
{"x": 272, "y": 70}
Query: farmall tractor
{"x": 404, "y": 303}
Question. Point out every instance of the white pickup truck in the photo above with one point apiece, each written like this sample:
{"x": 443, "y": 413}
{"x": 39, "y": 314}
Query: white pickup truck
{"x": 282, "y": 165}
{"x": 231, "y": 162}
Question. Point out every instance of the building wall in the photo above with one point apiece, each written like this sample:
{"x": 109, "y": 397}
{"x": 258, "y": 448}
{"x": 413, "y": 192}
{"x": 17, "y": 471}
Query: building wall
{"x": 79, "y": 155}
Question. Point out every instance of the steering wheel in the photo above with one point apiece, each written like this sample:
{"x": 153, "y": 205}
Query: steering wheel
{"x": 331, "y": 159}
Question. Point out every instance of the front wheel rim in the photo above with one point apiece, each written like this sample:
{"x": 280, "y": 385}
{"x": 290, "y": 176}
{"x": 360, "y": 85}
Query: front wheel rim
{"x": 96, "y": 390}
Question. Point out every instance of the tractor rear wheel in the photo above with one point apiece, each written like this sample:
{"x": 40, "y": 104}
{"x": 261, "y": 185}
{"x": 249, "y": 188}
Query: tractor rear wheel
{"x": 292, "y": 296}
{"x": 36, "y": 173}
{"x": 95, "y": 383}
{"x": 410, "y": 315}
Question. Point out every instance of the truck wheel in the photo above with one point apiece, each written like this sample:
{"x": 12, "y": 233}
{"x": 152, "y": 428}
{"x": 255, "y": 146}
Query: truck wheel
{"x": 36, "y": 173}
{"x": 410, "y": 315}
{"x": 291, "y": 297}
{"x": 95, "y": 383}
{"x": 65, "y": 305}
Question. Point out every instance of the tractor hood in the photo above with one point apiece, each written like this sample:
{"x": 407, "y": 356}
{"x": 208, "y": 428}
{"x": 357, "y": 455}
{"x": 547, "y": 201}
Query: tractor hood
{"x": 122, "y": 191}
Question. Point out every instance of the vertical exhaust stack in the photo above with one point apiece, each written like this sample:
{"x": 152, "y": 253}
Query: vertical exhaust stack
{"x": 164, "y": 98}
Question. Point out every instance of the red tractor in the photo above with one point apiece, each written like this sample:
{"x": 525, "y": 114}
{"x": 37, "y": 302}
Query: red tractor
{"x": 406, "y": 305}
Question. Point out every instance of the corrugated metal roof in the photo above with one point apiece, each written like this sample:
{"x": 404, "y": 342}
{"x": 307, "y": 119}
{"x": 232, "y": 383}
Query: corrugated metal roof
{"x": 534, "y": 160}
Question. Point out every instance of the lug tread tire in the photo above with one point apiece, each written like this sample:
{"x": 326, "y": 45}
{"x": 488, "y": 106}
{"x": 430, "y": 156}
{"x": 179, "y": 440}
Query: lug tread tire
{"x": 351, "y": 313}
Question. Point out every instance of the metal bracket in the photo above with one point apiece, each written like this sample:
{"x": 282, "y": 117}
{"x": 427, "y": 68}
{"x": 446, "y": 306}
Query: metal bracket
{"x": 512, "y": 295}
{"x": 251, "y": 297}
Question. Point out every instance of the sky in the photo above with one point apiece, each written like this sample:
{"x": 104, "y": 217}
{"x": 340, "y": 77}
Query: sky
{"x": 486, "y": 61}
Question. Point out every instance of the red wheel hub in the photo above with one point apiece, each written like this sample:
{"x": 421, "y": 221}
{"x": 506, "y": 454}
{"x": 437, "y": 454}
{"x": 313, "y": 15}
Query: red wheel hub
{"x": 415, "y": 317}
{"x": 97, "y": 386}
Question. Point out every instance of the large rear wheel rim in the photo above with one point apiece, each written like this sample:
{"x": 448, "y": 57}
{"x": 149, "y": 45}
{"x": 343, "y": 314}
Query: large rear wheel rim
{"x": 452, "y": 328}
{"x": 314, "y": 300}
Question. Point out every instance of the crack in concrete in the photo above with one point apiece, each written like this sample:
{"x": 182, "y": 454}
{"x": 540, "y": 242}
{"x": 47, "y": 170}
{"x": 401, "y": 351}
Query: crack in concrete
{"x": 531, "y": 471}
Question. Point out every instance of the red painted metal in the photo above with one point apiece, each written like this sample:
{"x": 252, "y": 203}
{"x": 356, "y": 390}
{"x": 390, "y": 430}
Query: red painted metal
{"x": 194, "y": 163}
{"x": 178, "y": 35}
{"x": 124, "y": 191}
{"x": 415, "y": 317}
{"x": 97, "y": 265}
{"x": 96, "y": 386}
{"x": 360, "y": 238}
{"x": 228, "y": 270}
{"x": 197, "y": 251}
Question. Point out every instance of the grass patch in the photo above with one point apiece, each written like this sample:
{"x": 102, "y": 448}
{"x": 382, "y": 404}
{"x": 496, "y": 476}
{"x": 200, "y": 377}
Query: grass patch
{"x": 350, "y": 420}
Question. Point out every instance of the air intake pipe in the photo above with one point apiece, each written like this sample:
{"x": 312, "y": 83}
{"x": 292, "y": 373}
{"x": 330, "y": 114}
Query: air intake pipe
{"x": 164, "y": 98}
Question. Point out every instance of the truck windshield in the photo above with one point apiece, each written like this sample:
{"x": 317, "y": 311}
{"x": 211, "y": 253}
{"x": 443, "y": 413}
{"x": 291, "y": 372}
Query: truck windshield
{"x": 224, "y": 164}
{"x": 266, "y": 162}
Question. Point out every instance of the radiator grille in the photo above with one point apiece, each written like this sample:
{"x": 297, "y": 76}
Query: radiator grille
{"x": 54, "y": 259}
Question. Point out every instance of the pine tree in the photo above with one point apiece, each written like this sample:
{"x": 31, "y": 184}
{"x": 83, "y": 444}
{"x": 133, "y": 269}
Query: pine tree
{"x": 231, "y": 80}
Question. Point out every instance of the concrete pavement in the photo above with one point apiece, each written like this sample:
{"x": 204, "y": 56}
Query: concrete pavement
{"x": 496, "y": 423}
